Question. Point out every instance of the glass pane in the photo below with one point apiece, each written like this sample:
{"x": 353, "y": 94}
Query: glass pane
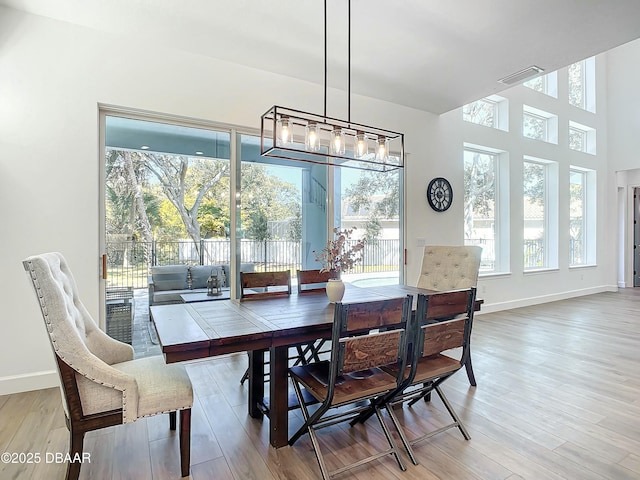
{"x": 576, "y": 217}
{"x": 577, "y": 139}
{"x": 369, "y": 202}
{"x": 166, "y": 203}
{"x": 482, "y": 112}
{"x": 283, "y": 211}
{"x": 534, "y": 126}
{"x": 576, "y": 84}
{"x": 167, "y": 197}
{"x": 480, "y": 203}
{"x": 534, "y": 185}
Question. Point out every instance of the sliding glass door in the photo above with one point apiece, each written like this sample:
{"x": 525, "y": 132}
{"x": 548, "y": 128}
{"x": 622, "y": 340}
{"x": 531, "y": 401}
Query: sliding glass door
{"x": 190, "y": 194}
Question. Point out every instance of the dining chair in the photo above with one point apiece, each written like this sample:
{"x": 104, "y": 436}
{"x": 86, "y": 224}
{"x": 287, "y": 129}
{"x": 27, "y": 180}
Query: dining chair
{"x": 365, "y": 337}
{"x": 451, "y": 267}
{"x": 261, "y": 285}
{"x": 439, "y": 349}
{"x": 101, "y": 383}
{"x": 255, "y": 285}
{"x": 314, "y": 281}
{"x": 310, "y": 281}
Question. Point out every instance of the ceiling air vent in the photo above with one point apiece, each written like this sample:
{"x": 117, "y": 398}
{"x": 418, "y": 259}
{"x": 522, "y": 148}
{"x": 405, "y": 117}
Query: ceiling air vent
{"x": 522, "y": 75}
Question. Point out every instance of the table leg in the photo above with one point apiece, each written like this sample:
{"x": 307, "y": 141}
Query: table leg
{"x": 279, "y": 397}
{"x": 256, "y": 382}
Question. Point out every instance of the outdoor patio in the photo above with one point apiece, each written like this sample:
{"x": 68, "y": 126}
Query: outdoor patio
{"x": 143, "y": 338}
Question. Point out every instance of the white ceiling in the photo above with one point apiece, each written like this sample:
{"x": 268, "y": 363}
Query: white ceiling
{"x": 434, "y": 55}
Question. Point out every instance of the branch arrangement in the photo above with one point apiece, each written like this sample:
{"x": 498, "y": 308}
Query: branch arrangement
{"x": 337, "y": 255}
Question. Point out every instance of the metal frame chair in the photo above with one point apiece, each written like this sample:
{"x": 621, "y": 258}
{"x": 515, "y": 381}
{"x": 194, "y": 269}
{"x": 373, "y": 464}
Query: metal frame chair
{"x": 365, "y": 337}
{"x": 451, "y": 267}
{"x": 429, "y": 367}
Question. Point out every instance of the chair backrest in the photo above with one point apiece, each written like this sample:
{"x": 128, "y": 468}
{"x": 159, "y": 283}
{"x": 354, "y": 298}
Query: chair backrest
{"x": 314, "y": 278}
{"x": 443, "y": 322}
{"x": 369, "y": 334}
{"x": 256, "y": 285}
{"x": 449, "y": 267}
{"x": 79, "y": 345}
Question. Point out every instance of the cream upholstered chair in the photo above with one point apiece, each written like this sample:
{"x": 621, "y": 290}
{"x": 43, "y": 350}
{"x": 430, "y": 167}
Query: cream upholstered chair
{"x": 451, "y": 268}
{"x": 102, "y": 385}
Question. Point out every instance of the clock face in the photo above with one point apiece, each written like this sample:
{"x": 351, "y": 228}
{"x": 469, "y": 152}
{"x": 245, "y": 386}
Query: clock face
{"x": 439, "y": 194}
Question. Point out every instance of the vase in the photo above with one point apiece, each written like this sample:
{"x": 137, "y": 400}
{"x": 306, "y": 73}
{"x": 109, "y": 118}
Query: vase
{"x": 335, "y": 290}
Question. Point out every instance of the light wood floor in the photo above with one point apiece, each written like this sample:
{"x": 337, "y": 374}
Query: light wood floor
{"x": 558, "y": 397}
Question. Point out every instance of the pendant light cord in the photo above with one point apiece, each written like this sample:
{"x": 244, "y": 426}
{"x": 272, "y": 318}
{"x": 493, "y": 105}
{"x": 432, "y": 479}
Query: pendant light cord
{"x": 325, "y": 58}
{"x": 349, "y": 63}
{"x": 348, "y": 60}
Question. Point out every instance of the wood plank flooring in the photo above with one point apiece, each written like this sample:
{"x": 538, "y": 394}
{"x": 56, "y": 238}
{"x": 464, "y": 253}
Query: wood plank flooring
{"x": 558, "y": 397}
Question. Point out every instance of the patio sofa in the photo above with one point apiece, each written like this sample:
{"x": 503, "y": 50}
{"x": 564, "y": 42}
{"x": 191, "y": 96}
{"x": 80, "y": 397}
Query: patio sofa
{"x": 168, "y": 282}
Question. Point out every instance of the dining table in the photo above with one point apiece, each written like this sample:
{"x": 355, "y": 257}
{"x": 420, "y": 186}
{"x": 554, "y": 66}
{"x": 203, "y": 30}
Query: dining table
{"x": 193, "y": 331}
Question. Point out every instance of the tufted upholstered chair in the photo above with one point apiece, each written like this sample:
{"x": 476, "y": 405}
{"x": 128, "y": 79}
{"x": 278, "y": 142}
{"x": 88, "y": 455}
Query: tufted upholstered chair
{"x": 102, "y": 385}
{"x": 451, "y": 268}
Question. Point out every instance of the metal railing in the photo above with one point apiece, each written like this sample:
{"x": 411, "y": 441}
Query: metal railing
{"x": 129, "y": 262}
{"x": 534, "y": 253}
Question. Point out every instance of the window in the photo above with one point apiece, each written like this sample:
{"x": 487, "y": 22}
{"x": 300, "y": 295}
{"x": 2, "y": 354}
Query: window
{"x": 581, "y": 221}
{"x": 540, "y": 213}
{"x": 486, "y": 212}
{"x": 547, "y": 84}
{"x": 582, "y": 84}
{"x": 539, "y": 125}
{"x": 491, "y": 112}
{"x": 582, "y": 138}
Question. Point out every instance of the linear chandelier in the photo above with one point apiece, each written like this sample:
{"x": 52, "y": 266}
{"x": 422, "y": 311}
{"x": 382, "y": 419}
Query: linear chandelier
{"x": 307, "y": 137}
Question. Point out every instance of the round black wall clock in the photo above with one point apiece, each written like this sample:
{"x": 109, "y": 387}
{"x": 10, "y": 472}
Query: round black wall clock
{"x": 439, "y": 194}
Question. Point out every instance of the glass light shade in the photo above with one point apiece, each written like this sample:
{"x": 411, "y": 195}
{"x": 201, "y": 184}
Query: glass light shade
{"x": 285, "y": 131}
{"x": 360, "y": 145}
{"x": 382, "y": 149}
{"x": 337, "y": 142}
{"x": 312, "y": 137}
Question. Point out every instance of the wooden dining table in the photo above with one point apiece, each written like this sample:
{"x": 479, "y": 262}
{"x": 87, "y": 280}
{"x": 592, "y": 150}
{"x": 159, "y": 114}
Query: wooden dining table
{"x": 206, "y": 329}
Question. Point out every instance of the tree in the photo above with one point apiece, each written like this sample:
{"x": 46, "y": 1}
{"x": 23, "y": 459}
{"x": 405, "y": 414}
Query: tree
{"x": 185, "y": 182}
{"x": 377, "y": 193}
{"x": 479, "y": 187}
{"x": 295, "y": 227}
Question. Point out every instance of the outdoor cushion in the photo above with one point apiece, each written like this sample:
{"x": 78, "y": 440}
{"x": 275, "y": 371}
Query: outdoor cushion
{"x": 244, "y": 267}
{"x": 170, "y": 277}
{"x": 200, "y": 274}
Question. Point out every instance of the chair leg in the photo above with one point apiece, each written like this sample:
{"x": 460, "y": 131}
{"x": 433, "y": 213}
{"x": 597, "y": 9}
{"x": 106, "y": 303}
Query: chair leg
{"x": 453, "y": 414}
{"x": 76, "y": 442}
{"x": 185, "y": 441}
{"x": 172, "y": 420}
{"x": 390, "y": 440}
{"x": 469, "y": 368}
{"x": 403, "y": 436}
{"x": 245, "y": 377}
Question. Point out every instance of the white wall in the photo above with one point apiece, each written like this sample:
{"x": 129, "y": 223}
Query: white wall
{"x": 624, "y": 155}
{"x": 54, "y": 75}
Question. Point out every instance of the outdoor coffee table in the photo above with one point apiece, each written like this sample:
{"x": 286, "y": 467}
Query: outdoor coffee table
{"x": 203, "y": 297}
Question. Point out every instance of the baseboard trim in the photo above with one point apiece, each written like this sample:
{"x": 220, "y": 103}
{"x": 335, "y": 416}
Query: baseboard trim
{"x": 27, "y": 382}
{"x": 526, "y": 302}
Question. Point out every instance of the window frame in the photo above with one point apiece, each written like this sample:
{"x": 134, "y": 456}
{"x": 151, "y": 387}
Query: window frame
{"x": 501, "y": 218}
{"x": 550, "y": 219}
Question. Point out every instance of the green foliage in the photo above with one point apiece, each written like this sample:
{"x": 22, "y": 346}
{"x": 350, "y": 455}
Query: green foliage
{"x": 258, "y": 226}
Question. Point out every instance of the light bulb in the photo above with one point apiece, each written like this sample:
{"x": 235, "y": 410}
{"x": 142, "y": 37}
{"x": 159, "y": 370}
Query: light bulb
{"x": 312, "y": 137}
{"x": 286, "y": 132}
{"x": 382, "y": 152}
{"x": 337, "y": 142}
{"x": 361, "y": 148}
